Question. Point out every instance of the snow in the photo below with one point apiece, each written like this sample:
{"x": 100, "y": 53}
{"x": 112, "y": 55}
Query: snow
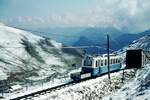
{"x": 56, "y": 44}
{"x": 91, "y": 89}
{"x": 16, "y": 87}
{"x": 1, "y": 23}
{"x": 52, "y": 60}
{"x": 53, "y": 83}
{"x": 67, "y": 56}
{"x": 138, "y": 89}
{"x": 11, "y": 36}
{"x": 123, "y": 66}
{"x": 3, "y": 76}
{"x": 100, "y": 88}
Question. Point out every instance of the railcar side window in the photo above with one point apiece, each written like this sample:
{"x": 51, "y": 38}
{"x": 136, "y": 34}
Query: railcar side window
{"x": 101, "y": 62}
{"x": 116, "y": 61}
{"x": 111, "y": 61}
{"x": 96, "y": 63}
{"x": 105, "y": 62}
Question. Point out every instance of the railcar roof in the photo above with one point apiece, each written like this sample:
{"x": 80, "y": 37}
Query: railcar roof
{"x": 101, "y": 56}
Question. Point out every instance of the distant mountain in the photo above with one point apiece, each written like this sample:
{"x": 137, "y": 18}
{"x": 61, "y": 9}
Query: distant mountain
{"x": 62, "y": 30}
{"x": 117, "y": 39}
{"x": 126, "y": 39}
{"x": 147, "y": 32}
{"x": 84, "y": 41}
{"x": 61, "y": 33}
{"x": 73, "y": 34}
{"x": 96, "y": 36}
{"x": 86, "y": 36}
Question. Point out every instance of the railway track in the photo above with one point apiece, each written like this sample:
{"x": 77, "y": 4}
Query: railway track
{"x": 49, "y": 90}
{"x": 42, "y": 92}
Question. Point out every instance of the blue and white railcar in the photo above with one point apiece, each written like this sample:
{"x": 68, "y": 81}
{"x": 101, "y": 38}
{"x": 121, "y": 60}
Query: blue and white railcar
{"x": 98, "y": 65}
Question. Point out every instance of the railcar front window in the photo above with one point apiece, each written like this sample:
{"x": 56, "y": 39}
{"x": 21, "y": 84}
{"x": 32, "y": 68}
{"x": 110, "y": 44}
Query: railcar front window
{"x": 87, "y": 63}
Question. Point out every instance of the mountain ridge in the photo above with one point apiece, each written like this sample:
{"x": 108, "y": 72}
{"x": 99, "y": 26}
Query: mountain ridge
{"x": 24, "y": 55}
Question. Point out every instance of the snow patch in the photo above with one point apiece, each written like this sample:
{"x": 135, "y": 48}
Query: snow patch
{"x": 138, "y": 89}
{"x": 3, "y": 75}
{"x": 56, "y": 44}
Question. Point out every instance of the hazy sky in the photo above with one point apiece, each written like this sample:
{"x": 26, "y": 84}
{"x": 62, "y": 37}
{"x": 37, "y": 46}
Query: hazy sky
{"x": 128, "y": 15}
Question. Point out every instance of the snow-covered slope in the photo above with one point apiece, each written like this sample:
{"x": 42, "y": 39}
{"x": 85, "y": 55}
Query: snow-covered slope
{"x": 138, "y": 89}
{"x": 142, "y": 43}
{"x": 24, "y": 56}
{"x": 94, "y": 89}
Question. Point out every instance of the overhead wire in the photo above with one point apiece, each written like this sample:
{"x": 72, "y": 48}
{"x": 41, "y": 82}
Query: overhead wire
{"x": 65, "y": 47}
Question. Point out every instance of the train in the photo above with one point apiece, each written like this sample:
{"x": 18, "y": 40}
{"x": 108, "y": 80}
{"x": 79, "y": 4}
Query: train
{"x": 93, "y": 66}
